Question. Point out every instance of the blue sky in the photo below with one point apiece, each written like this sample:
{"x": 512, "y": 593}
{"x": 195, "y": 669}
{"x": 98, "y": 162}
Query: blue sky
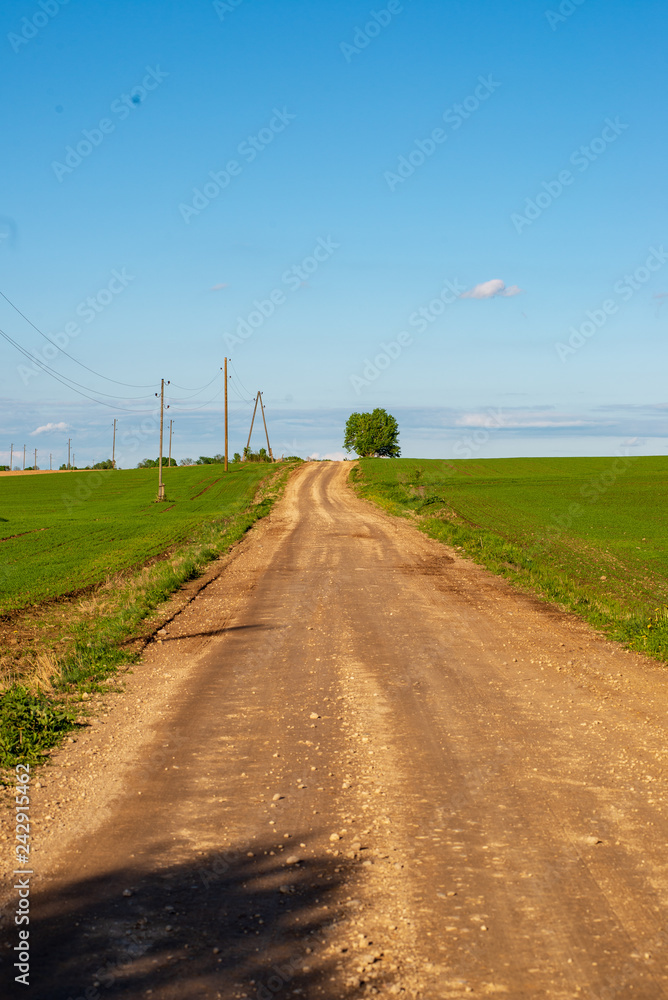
{"x": 371, "y": 162}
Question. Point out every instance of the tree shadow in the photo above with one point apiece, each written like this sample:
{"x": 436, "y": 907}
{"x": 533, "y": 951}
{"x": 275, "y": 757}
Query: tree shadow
{"x": 217, "y": 926}
{"x": 218, "y": 631}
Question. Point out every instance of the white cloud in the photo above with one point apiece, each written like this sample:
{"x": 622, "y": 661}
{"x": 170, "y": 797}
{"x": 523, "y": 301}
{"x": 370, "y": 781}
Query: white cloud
{"x": 47, "y": 428}
{"x": 218, "y": 288}
{"x": 490, "y": 289}
{"x": 515, "y": 420}
{"x": 333, "y": 456}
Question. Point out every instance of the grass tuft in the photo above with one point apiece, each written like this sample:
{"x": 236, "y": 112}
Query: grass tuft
{"x": 30, "y": 725}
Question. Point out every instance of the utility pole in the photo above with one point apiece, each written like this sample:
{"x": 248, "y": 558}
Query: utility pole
{"x": 271, "y": 457}
{"x": 252, "y": 422}
{"x": 35, "y": 465}
{"x": 258, "y": 398}
{"x": 113, "y": 448}
{"x": 169, "y": 460}
{"x": 24, "y": 458}
{"x": 74, "y": 460}
{"x": 226, "y": 415}
{"x": 69, "y": 445}
{"x": 50, "y": 461}
{"x": 161, "y": 487}
{"x": 11, "y": 456}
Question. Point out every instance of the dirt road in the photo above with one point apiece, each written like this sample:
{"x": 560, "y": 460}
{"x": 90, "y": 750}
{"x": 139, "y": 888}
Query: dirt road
{"x": 359, "y": 764}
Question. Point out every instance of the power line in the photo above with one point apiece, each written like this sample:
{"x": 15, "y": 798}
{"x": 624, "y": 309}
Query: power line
{"x": 247, "y": 391}
{"x": 79, "y": 388}
{"x": 85, "y": 391}
{"x": 69, "y": 384}
{"x": 244, "y": 399}
{"x": 194, "y": 390}
{"x": 51, "y": 371}
{"x": 129, "y": 385}
{"x": 182, "y": 399}
{"x": 188, "y": 409}
{"x": 239, "y": 412}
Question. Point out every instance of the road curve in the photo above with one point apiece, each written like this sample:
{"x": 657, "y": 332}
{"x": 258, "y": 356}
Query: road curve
{"x": 358, "y": 764}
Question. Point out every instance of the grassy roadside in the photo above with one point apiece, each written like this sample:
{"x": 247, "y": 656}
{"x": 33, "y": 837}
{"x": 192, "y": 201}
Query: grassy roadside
{"x": 585, "y": 534}
{"x": 65, "y": 533}
{"x": 48, "y": 696}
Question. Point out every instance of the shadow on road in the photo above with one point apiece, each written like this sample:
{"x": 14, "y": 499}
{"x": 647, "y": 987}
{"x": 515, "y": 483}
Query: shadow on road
{"x": 218, "y": 631}
{"x": 217, "y": 926}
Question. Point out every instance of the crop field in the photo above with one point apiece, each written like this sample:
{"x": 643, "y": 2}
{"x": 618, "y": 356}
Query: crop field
{"x": 80, "y": 584}
{"x": 64, "y": 532}
{"x": 587, "y": 533}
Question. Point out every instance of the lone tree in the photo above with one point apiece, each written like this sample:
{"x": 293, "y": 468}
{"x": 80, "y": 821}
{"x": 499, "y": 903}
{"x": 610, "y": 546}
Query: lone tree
{"x": 372, "y": 435}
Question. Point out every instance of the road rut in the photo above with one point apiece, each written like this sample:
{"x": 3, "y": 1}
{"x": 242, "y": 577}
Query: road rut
{"x": 359, "y": 764}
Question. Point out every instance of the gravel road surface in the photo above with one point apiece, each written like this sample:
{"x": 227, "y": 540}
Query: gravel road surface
{"x": 357, "y": 764}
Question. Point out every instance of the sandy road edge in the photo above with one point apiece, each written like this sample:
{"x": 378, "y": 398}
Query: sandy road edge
{"x": 39, "y": 628}
{"x": 117, "y": 730}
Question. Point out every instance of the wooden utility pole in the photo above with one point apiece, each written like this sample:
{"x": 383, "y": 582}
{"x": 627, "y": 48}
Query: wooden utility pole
{"x": 11, "y": 455}
{"x": 251, "y": 426}
{"x": 113, "y": 448}
{"x": 169, "y": 460}
{"x": 226, "y": 456}
{"x": 161, "y": 487}
{"x": 271, "y": 457}
{"x": 50, "y": 461}
{"x": 69, "y": 445}
{"x": 258, "y": 399}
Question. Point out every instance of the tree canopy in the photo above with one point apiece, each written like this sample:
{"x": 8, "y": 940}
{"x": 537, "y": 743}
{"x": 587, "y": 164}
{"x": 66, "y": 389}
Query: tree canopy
{"x": 153, "y": 463}
{"x": 256, "y": 456}
{"x": 372, "y": 435}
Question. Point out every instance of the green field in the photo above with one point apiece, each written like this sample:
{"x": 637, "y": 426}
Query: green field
{"x": 64, "y": 532}
{"x": 92, "y": 540}
{"x": 587, "y": 533}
